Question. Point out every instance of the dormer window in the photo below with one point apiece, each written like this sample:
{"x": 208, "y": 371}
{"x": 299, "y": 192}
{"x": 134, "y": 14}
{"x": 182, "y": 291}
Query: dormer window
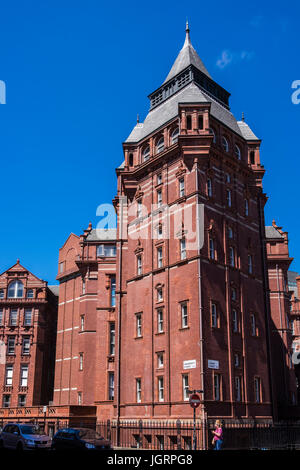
{"x": 160, "y": 145}
{"x": 252, "y": 157}
{"x": 225, "y": 144}
{"x": 15, "y": 290}
{"x": 174, "y": 135}
{"x": 237, "y": 152}
{"x": 130, "y": 160}
{"x": 200, "y": 121}
{"x": 146, "y": 153}
{"x": 189, "y": 122}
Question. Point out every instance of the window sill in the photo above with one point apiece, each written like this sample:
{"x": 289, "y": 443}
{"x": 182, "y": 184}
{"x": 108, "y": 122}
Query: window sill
{"x": 138, "y": 337}
{"x": 183, "y": 328}
{"x": 159, "y": 333}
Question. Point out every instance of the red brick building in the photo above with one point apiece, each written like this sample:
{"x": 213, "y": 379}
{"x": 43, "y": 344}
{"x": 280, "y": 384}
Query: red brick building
{"x": 191, "y": 316}
{"x": 28, "y": 315}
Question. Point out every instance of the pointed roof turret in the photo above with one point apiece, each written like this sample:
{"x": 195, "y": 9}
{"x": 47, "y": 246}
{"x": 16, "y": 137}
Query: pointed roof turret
{"x": 187, "y": 56}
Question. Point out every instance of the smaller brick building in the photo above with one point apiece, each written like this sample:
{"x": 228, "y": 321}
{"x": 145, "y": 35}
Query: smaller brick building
{"x": 28, "y": 316}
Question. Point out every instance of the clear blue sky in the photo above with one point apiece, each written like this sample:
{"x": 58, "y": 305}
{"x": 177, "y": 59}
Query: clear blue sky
{"x": 78, "y": 72}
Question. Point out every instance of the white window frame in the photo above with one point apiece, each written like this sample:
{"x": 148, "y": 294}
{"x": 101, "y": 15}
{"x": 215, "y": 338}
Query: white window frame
{"x": 181, "y": 187}
{"x": 139, "y": 325}
{"x": 184, "y": 315}
{"x": 139, "y": 265}
{"x": 214, "y": 315}
{"x": 160, "y": 145}
{"x": 182, "y": 249}
{"x": 138, "y": 390}
{"x": 185, "y": 387}
{"x": 160, "y": 320}
{"x": 159, "y": 257}
{"x": 9, "y": 373}
{"x": 160, "y": 383}
{"x": 24, "y": 376}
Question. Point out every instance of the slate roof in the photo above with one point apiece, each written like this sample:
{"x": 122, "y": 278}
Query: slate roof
{"x": 292, "y": 283}
{"x": 101, "y": 234}
{"x": 272, "y": 232}
{"x": 163, "y": 113}
{"x": 187, "y": 56}
{"x": 54, "y": 289}
{"x": 246, "y": 131}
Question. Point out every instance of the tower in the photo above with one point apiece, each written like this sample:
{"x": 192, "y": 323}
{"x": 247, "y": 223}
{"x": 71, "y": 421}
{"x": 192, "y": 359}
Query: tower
{"x": 191, "y": 279}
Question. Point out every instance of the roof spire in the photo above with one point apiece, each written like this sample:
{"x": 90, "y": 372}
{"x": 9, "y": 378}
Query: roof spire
{"x": 243, "y": 116}
{"x": 187, "y": 34}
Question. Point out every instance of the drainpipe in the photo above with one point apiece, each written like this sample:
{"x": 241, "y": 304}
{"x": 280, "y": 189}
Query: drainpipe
{"x": 200, "y": 307}
{"x": 282, "y": 330}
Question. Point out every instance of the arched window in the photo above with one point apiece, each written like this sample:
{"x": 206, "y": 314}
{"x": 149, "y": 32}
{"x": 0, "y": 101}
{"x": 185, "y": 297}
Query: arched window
{"x": 211, "y": 130}
{"x": 146, "y": 153}
{"x": 160, "y": 145}
{"x": 237, "y": 152}
{"x": 174, "y": 136}
{"x": 225, "y": 144}
{"x": 15, "y": 290}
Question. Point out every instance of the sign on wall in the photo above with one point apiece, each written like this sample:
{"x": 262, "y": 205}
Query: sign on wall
{"x": 213, "y": 364}
{"x": 192, "y": 364}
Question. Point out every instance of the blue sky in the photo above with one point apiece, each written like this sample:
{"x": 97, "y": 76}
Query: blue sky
{"x": 78, "y": 72}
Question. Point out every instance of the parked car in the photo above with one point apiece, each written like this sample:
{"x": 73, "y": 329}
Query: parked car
{"x": 24, "y": 437}
{"x": 79, "y": 439}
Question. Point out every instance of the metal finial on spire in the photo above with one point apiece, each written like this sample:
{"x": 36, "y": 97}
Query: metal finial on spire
{"x": 243, "y": 116}
{"x": 137, "y": 118}
{"x": 187, "y": 34}
{"x": 187, "y": 26}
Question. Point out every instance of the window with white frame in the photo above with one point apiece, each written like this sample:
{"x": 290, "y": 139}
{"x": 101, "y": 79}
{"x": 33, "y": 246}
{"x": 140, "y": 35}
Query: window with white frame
{"x": 29, "y": 294}
{"x": 160, "y": 320}
{"x": 184, "y": 314}
{"x": 225, "y": 144}
{"x": 160, "y": 145}
{"x": 111, "y": 385}
{"x": 159, "y": 257}
{"x": 25, "y": 345}
{"x": 9, "y": 371}
{"x": 174, "y": 135}
{"x": 6, "y": 401}
{"x": 112, "y": 338}
{"x": 146, "y": 153}
{"x": 217, "y": 387}
{"x": 138, "y": 387}
{"x": 27, "y": 317}
{"x": 80, "y": 361}
{"x": 185, "y": 387}
{"x": 238, "y": 388}
{"x": 139, "y": 264}
{"x": 160, "y": 388}
{"x": 138, "y": 320}
{"x": 1, "y": 293}
{"x": 81, "y": 322}
{"x": 15, "y": 290}
{"x": 159, "y": 198}
{"x": 182, "y": 249}
{"x": 214, "y": 315}
{"x": 160, "y": 360}
{"x": 11, "y": 341}
{"x": 235, "y": 321}
{"x": 24, "y": 376}
{"x": 108, "y": 250}
{"x": 181, "y": 187}
{"x": 13, "y": 317}
{"x": 160, "y": 296}
{"x": 159, "y": 231}
{"x": 83, "y": 287}
{"x": 21, "y": 400}
{"x": 257, "y": 389}
{"x": 159, "y": 178}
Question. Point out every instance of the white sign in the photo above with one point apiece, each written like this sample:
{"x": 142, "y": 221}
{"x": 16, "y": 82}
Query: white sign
{"x": 213, "y": 364}
{"x": 190, "y": 364}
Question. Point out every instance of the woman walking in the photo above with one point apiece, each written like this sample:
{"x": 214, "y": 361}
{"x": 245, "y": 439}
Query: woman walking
{"x": 218, "y": 435}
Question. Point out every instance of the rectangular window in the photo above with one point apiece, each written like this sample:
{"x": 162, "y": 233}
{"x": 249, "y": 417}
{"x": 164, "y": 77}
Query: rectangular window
{"x": 159, "y": 178}
{"x": 182, "y": 249}
{"x": 80, "y": 361}
{"x": 253, "y": 325}
{"x": 138, "y": 385}
{"x": 113, "y": 291}
{"x": 211, "y": 248}
{"x": 214, "y": 316}
{"x": 108, "y": 251}
{"x": 160, "y": 360}
{"x": 13, "y": 317}
{"x": 25, "y": 345}
{"x": 159, "y": 231}
{"x": 159, "y": 198}
{"x": 236, "y": 360}
{"x": 160, "y": 389}
{"x": 27, "y": 316}
{"x": 138, "y": 320}
{"x": 185, "y": 387}
{"x": 61, "y": 267}
{"x": 250, "y": 264}
{"x": 29, "y": 294}
{"x": 231, "y": 256}
{"x": 79, "y": 398}
{"x": 238, "y": 388}
{"x": 139, "y": 265}
{"x": 9, "y": 375}
{"x": 11, "y": 341}
{"x": 217, "y": 387}
{"x": 22, "y": 400}
{"x": 160, "y": 320}
{"x": 184, "y": 315}
{"x": 181, "y": 187}
{"x": 24, "y": 376}
{"x": 159, "y": 257}
{"x": 209, "y": 187}
{"x": 228, "y": 197}
{"x": 235, "y": 321}
{"x": 111, "y": 385}
{"x": 1, "y": 293}
{"x": 112, "y": 339}
{"x": 81, "y": 322}
{"x": 139, "y": 208}
{"x": 1, "y": 316}
{"x": 257, "y": 389}
{"x": 83, "y": 286}
{"x": 159, "y": 294}
{"x": 6, "y": 401}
